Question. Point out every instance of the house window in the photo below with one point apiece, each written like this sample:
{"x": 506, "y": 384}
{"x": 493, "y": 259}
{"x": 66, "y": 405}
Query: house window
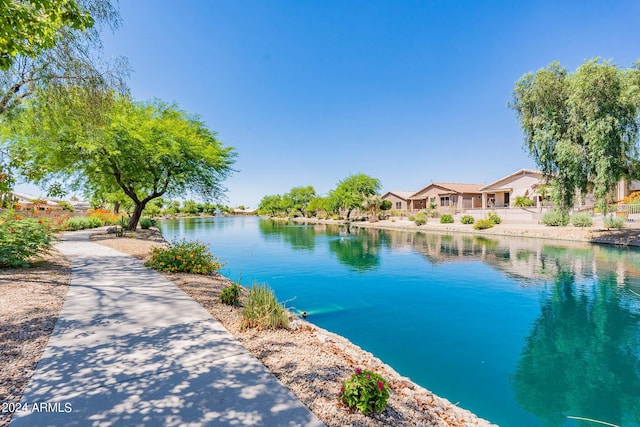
{"x": 398, "y": 205}
{"x": 444, "y": 201}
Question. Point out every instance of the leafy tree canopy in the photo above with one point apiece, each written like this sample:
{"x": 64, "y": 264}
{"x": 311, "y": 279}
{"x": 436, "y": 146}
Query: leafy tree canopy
{"x": 581, "y": 128}
{"x": 144, "y": 150}
{"x": 351, "y": 192}
{"x": 29, "y": 27}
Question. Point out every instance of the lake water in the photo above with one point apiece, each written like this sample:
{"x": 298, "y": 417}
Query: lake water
{"x": 522, "y": 332}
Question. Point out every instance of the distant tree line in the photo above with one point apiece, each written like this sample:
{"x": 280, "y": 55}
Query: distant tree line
{"x": 160, "y": 206}
{"x": 357, "y": 192}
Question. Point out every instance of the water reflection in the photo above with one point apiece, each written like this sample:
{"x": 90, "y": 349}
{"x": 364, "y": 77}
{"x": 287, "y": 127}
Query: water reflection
{"x": 582, "y": 356}
{"x": 299, "y": 237}
{"x": 358, "y": 248}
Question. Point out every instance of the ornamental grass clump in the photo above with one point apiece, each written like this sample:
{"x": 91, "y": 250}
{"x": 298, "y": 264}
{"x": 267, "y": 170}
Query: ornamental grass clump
{"x": 230, "y": 295}
{"x": 21, "y": 240}
{"x": 183, "y": 256}
{"x": 366, "y": 391}
{"x": 261, "y": 310}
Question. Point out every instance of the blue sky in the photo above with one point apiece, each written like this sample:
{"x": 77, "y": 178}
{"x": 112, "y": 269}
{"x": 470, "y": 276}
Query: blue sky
{"x": 410, "y": 92}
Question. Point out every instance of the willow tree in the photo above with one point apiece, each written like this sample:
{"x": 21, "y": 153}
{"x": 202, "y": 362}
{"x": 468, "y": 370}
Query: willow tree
{"x": 144, "y": 150}
{"x": 581, "y": 128}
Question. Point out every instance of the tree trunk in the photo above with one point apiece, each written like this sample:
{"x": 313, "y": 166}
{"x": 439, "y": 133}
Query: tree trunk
{"x": 135, "y": 218}
{"x": 116, "y": 207}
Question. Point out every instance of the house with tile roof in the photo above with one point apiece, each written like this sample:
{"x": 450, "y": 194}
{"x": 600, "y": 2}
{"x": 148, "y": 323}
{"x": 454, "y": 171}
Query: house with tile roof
{"x": 503, "y": 192}
{"x": 447, "y": 197}
{"x": 399, "y": 199}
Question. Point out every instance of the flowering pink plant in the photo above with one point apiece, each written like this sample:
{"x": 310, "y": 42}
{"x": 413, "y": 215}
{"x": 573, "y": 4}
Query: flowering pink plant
{"x": 366, "y": 391}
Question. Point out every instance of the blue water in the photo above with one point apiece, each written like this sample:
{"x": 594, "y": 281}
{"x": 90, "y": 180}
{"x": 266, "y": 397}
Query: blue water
{"x": 520, "y": 331}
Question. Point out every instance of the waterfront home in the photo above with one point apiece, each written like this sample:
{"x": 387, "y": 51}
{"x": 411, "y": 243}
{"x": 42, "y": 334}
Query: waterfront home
{"x": 503, "y": 192}
{"x": 446, "y": 197}
{"x": 399, "y": 199}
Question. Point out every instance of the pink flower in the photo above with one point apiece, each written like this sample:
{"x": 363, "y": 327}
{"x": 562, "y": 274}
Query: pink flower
{"x": 368, "y": 377}
{"x": 380, "y": 385}
{"x": 358, "y": 371}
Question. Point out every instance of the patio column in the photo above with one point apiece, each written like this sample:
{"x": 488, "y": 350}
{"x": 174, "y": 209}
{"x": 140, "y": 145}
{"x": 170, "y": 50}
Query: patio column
{"x": 484, "y": 200}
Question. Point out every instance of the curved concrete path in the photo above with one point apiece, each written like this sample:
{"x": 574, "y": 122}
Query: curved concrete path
{"x": 131, "y": 349}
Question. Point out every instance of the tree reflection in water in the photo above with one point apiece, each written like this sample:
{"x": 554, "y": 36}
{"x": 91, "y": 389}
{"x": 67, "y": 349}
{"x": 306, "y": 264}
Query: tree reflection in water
{"x": 581, "y": 358}
{"x": 358, "y": 248}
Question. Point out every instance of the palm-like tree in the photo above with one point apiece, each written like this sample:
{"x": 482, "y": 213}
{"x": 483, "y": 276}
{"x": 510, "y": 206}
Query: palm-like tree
{"x": 371, "y": 204}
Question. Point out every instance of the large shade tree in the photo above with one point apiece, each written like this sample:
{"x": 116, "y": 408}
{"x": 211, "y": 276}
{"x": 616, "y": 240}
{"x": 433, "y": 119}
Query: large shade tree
{"x": 581, "y": 128}
{"x": 144, "y": 150}
{"x": 352, "y": 191}
{"x": 53, "y": 45}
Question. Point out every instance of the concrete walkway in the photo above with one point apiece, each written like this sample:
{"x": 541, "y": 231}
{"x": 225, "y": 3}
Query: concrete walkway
{"x": 131, "y": 349}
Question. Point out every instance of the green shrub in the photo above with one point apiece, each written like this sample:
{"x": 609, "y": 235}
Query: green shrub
{"x": 21, "y": 240}
{"x": 467, "y": 219}
{"x": 494, "y": 218}
{"x": 261, "y": 310}
{"x": 82, "y": 222}
{"x": 483, "y": 224}
{"x": 146, "y": 223}
{"x": 446, "y": 219}
{"x": 420, "y": 219}
{"x": 365, "y": 391}
{"x": 613, "y": 221}
{"x": 183, "y": 257}
{"x": 230, "y": 295}
{"x": 411, "y": 218}
{"x": 582, "y": 220}
{"x": 555, "y": 218}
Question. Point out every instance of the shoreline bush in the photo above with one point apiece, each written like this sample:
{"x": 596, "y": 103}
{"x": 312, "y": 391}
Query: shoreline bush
{"x": 420, "y": 219}
{"x": 582, "y": 220}
{"x": 366, "y": 391}
{"x": 183, "y": 256}
{"x": 613, "y": 222}
{"x": 446, "y": 219}
{"x": 494, "y": 218}
{"x": 555, "y": 218}
{"x": 483, "y": 224}
{"x": 230, "y": 295}
{"x": 467, "y": 219}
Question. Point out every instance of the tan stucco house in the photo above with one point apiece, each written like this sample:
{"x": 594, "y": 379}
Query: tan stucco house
{"x": 447, "y": 197}
{"x": 399, "y": 199}
{"x": 503, "y": 192}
